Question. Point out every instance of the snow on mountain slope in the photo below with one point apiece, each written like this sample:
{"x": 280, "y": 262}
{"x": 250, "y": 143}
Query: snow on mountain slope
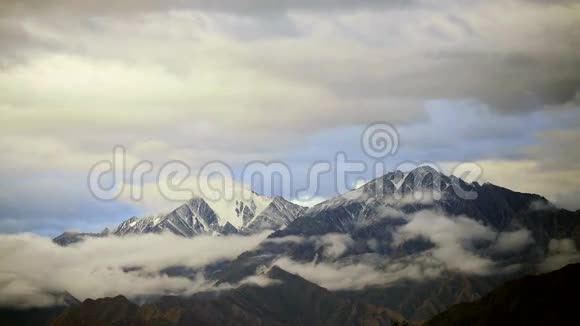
{"x": 193, "y": 217}
{"x": 384, "y": 186}
{"x": 241, "y": 209}
{"x": 276, "y": 215}
{"x": 393, "y": 188}
{"x": 246, "y": 212}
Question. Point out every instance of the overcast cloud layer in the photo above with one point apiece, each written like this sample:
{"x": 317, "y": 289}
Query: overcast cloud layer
{"x": 494, "y": 82}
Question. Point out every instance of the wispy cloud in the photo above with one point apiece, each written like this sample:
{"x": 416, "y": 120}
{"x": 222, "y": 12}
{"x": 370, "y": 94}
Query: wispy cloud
{"x": 454, "y": 239}
{"x": 454, "y": 250}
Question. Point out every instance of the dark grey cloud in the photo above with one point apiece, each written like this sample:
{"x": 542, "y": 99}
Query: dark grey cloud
{"x": 246, "y": 7}
{"x": 17, "y": 42}
{"x": 510, "y": 83}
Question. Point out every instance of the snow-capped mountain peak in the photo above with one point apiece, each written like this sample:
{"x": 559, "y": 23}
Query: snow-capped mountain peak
{"x": 240, "y": 210}
{"x": 393, "y": 187}
{"x": 245, "y": 212}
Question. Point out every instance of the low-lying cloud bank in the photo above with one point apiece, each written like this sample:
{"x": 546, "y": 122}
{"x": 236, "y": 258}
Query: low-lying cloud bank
{"x": 460, "y": 245}
{"x": 455, "y": 237}
{"x": 355, "y": 276}
{"x": 33, "y": 268}
{"x": 455, "y": 249}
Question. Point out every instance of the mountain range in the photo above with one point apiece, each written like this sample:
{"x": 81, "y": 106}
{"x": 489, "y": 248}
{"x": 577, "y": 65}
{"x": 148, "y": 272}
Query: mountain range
{"x": 413, "y": 242}
{"x": 242, "y": 214}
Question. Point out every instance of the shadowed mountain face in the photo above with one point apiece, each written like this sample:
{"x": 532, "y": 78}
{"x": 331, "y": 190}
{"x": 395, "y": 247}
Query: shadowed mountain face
{"x": 291, "y": 300}
{"x": 37, "y": 316}
{"x": 533, "y": 300}
{"x": 29, "y": 317}
{"x": 420, "y": 301}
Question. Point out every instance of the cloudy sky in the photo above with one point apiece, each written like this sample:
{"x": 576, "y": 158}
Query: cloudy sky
{"x": 496, "y": 83}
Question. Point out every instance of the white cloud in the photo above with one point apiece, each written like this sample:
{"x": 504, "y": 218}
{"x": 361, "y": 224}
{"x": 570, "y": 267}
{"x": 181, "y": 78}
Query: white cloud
{"x": 454, "y": 251}
{"x": 334, "y": 244}
{"x": 453, "y": 238}
{"x": 354, "y": 276}
{"x": 513, "y": 241}
{"x": 33, "y": 266}
{"x": 309, "y": 202}
{"x": 389, "y": 212}
{"x": 561, "y": 252}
